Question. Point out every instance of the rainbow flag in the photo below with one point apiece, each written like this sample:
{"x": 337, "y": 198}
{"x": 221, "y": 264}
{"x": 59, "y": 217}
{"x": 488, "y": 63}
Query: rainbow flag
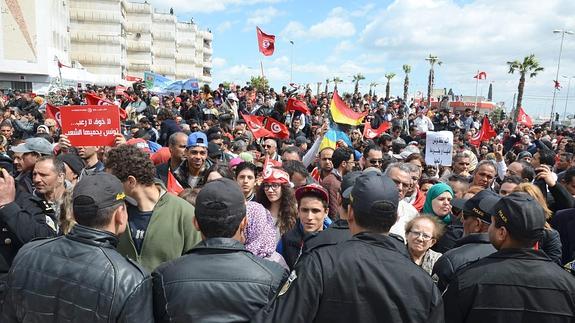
{"x": 341, "y": 113}
{"x": 331, "y": 138}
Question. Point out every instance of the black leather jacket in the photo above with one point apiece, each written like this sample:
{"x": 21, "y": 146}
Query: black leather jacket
{"x": 77, "y": 278}
{"x": 467, "y": 250}
{"x": 216, "y": 281}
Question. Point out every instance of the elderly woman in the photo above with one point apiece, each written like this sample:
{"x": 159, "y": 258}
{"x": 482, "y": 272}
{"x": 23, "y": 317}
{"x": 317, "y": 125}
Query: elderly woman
{"x": 438, "y": 204}
{"x": 421, "y": 234}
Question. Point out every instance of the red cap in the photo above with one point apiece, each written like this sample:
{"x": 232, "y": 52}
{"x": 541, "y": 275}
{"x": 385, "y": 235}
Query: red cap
{"x": 315, "y": 188}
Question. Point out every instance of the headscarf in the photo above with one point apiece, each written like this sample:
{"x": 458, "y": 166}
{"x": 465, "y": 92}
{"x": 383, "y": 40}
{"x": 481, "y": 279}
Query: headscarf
{"x": 432, "y": 194}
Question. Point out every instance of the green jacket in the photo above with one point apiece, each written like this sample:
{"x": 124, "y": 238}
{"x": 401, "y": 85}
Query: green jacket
{"x": 170, "y": 233}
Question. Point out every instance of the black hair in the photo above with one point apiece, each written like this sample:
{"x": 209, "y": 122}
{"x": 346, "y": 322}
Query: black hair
{"x": 340, "y": 155}
{"x": 220, "y": 226}
{"x": 383, "y": 138}
{"x": 528, "y": 172}
{"x": 370, "y": 148}
{"x": 246, "y": 165}
{"x": 219, "y": 168}
{"x": 127, "y": 160}
{"x": 295, "y": 166}
{"x": 382, "y": 216}
{"x": 546, "y": 157}
{"x": 317, "y": 196}
{"x": 458, "y": 179}
{"x": 512, "y": 180}
{"x": 569, "y": 175}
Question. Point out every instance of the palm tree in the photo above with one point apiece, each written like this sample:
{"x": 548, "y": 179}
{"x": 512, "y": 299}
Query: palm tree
{"x": 431, "y": 79}
{"x": 372, "y": 85}
{"x": 336, "y": 80}
{"x": 326, "y": 85}
{"x": 356, "y": 78}
{"x": 530, "y": 66}
{"x": 407, "y": 70}
{"x": 388, "y": 76}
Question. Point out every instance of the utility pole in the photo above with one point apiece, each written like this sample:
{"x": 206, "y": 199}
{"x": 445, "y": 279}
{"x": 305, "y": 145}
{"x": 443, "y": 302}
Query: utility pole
{"x": 563, "y": 32}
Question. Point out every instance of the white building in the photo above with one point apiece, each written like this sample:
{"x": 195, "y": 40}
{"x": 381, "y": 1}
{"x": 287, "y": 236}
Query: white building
{"x": 100, "y": 41}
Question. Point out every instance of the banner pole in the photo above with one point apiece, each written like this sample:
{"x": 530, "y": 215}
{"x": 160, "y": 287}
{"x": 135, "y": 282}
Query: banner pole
{"x": 262, "y": 67}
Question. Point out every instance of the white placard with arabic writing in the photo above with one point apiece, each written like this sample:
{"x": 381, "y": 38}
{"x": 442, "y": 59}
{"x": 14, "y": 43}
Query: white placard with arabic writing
{"x": 438, "y": 148}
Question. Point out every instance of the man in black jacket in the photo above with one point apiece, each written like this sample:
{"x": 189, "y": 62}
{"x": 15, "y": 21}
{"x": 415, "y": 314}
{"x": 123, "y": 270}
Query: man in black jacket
{"x": 218, "y": 280}
{"x": 475, "y": 243}
{"x": 368, "y": 278}
{"x": 517, "y": 283}
{"x": 80, "y": 277}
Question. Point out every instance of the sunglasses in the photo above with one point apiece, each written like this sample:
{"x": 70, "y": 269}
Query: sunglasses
{"x": 376, "y": 161}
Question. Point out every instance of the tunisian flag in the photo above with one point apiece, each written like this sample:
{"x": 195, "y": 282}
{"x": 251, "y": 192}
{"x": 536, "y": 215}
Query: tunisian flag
{"x": 484, "y": 134}
{"x": 173, "y": 186}
{"x": 523, "y": 118}
{"x": 53, "y": 112}
{"x": 480, "y": 76}
{"x": 294, "y": 104}
{"x": 93, "y": 99}
{"x": 370, "y": 133}
{"x": 278, "y": 129}
{"x": 256, "y": 126}
{"x": 265, "y": 42}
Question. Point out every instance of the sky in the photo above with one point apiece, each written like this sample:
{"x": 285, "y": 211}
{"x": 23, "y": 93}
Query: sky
{"x": 342, "y": 38}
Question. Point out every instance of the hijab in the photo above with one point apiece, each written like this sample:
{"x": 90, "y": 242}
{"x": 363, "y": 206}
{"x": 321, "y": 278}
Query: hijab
{"x": 432, "y": 194}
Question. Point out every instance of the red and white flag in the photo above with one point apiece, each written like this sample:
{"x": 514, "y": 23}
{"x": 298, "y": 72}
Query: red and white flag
{"x": 557, "y": 85}
{"x": 93, "y": 99}
{"x": 266, "y": 42}
{"x": 294, "y": 104}
{"x": 278, "y": 129}
{"x": 370, "y": 133}
{"x": 524, "y": 118}
{"x": 173, "y": 186}
{"x": 480, "y": 76}
{"x": 256, "y": 126}
{"x": 53, "y": 112}
{"x": 485, "y": 133}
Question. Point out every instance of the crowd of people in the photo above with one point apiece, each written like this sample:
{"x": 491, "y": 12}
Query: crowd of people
{"x": 191, "y": 217}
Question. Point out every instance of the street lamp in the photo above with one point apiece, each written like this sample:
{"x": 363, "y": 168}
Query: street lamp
{"x": 291, "y": 63}
{"x": 562, "y": 32}
{"x": 567, "y": 97}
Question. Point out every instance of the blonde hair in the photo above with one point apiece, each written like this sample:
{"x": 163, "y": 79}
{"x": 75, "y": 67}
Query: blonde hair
{"x": 535, "y": 192}
{"x": 66, "y": 217}
{"x": 439, "y": 227}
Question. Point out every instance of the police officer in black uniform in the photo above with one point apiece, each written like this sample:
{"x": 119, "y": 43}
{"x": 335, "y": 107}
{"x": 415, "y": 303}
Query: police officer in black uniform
{"x": 369, "y": 278}
{"x": 518, "y": 283}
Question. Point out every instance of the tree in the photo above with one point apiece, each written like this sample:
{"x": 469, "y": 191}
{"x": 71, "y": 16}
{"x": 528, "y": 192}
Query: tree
{"x": 227, "y": 85}
{"x": 372, "y": 85}
{"x": 356, "y": 78}
{"x": 530, "y": 66}
{"x": 260, "y": 83}
{"x": 336, "y": 80}
{"x": 406, "y": 70}
{"x": 388, "y": 76}
{"x": 431, "y": 79}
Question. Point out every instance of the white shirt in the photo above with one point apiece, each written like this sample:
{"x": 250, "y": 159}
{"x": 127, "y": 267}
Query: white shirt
{"x": 423, "y": 124}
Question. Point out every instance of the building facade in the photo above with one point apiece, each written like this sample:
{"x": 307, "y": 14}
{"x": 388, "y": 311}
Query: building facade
{"x": 98, "y": 42}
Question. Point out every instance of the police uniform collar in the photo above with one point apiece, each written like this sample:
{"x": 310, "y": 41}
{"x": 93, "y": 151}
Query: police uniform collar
{"x": 218, "y": 243}
{"x": 521, "y": 253}
{"x": 473, "y": 238}
{"x": 383, "y": 240}
{"x": 93, "y": 236}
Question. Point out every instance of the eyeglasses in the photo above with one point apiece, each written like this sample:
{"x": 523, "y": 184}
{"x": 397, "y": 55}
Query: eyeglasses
{"x": 267, "y": 146}
{"x": 273, "y": 186}
{"x": 376, "y": 161}
{"x": 424, "y": 236}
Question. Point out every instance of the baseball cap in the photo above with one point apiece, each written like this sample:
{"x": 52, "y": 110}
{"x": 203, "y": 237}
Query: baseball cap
{"x": 347, "y": 183}
{"x": 73, "y": 161}
{"x": 300, "y": 140}
{"x": 481, "y": 205}
{"x": 96, "y": 192}
{"x": 220, "y": 198}
{"x": 314, "y": 188}
{"x": 370, "y": 188}
{"x": 36, "y": 144}
{"x": 214, "y": 150}
{"x": 197, "y": 138}
{"x": 521, "y": 214}
{"x": 142, "y": 144}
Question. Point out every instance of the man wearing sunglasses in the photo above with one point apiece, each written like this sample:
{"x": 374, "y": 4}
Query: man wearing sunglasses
{"x": 372, "y": 157}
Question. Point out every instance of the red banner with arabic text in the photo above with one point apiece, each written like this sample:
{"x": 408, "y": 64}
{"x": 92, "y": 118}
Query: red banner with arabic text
{"x": 90, "y": 125}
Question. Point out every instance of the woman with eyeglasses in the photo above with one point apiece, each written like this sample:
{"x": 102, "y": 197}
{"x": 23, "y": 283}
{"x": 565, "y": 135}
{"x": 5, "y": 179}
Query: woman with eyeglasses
{"x": 422, "y": 233}
{"x": 276, "y": 195}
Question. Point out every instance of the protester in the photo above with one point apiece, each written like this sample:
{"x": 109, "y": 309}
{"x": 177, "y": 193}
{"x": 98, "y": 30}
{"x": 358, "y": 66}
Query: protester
{"x": 276, "y": 195}
{"x": 196, "y": 162}
{"x": 217, "y": 280}
{"x": 177, "y": 144}
{"x": 438, "y": 203}
{"x": 159, "y": 224}
{"x": 80, "y": 276}
{"x": 421, "y": 234}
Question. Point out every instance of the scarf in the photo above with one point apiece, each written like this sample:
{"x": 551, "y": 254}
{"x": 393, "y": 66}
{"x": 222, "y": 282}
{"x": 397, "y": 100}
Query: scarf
{"x": 432, "y": 194}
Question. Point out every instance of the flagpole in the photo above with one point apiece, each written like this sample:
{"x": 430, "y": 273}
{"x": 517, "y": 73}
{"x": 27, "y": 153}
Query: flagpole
{"x": 262, "y": 67}
{"x": 476, "y": 84}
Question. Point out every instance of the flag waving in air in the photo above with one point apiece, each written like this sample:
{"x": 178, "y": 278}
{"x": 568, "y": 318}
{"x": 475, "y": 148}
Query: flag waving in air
{"x": 524, "y": 119}
{"x": 480, "y": 76}
{"x": 370, "y": 133}
{"x": 266, "y": 42}
{"x": 294, "y": 104}
{"x": 278, "y": 129}
{"x": 341, "y": 113}
{"x": 557, "y": 84}
{"x": 484, "y": 134}
{"x": 256, "y": 126}
{"x": 93, "y": 99}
